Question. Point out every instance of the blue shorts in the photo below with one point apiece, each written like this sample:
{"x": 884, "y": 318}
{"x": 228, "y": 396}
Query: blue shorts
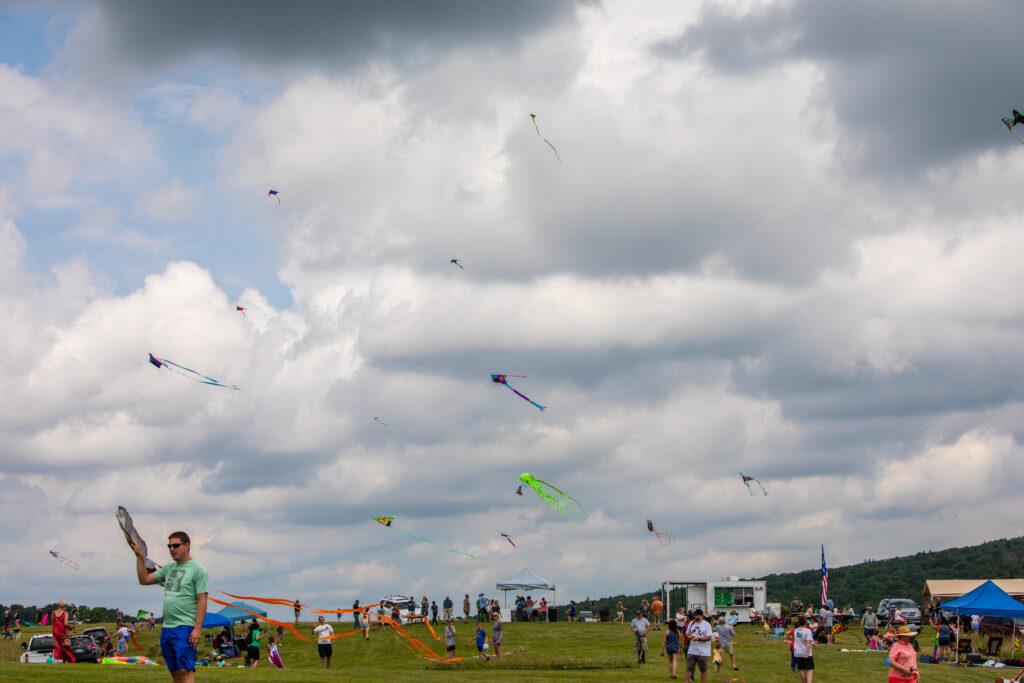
{"x": 177, "y": 652}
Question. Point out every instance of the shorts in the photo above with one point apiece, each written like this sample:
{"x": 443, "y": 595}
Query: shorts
{"x": 805, "y": 663}
{"x": 641, "y": 644}
{"x": 868, "y": 632}
{"x": 671, "y": 650}
{"x": 726, "y": 647}
{"x": 325, "y": 650}
{"x": 177, "y": 651}
{"x": 697, "y": 662}
{"x": 792, "y": 661}
{"x": 619, "y": 614}
{"x": 944, "y": 642}
{"x": 450, "y": 648}
{"x": 480, "y": 648}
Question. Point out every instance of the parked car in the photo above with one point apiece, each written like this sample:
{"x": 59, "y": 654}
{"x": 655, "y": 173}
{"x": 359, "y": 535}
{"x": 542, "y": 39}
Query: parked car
{"x": 37, "y": 650}
{"x": 102, "y": 638}
{"x": 909, "y": 608}
{"x": 86, "y": 649}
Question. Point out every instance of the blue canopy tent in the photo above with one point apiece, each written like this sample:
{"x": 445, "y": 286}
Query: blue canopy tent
{"x": 236, "y": 615}
{"x": 987, "y": 600}
{"x": 215, "y": 620}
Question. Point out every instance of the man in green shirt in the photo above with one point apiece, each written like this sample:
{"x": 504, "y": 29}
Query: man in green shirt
{"x": 185, "y": 590}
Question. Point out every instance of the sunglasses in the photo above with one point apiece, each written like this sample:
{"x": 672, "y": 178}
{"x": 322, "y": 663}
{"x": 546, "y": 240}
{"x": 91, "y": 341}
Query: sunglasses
{"x": 172, "y": 546}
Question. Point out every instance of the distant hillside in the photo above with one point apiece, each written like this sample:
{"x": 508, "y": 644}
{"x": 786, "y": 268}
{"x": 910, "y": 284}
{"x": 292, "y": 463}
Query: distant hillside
{"x": 869, "y": 582}
{"x": 900, "y": 577}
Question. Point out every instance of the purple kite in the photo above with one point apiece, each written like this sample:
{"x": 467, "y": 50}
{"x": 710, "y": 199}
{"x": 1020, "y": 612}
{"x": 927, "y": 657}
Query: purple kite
{"x": 188, "y": 372}
{"x": 501, "y": 379}
{"x": 275, "y": 194}
{"x": 747, "y": 480}
{"x": 509, "y": 539}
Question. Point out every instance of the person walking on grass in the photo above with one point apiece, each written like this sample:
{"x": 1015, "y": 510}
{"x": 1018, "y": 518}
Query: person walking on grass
{"x": 185, "y": 583}
{"x": 449, "y": 638}
{"x": 698, "y": 634}
{"x": 726, "y": 633}
{"x": 870, "y": 623}
{"x": 803, "y": 650}
{"x": 620, "y": 611}
{"x": 640, "y": 626}
{"x": 656, "y": 606}
{"x": 497, "y": 633}
{"x": 255, "y": 640}
{"x": 465, "y": 606}
{"x": 298, "y": 610}
{"x": 324, "y": 648}
{"x": 447, "y": 606}
{"x": 481, "y": 641}
{"x": 670, "y": 647}
{"x": 903, "y": 658}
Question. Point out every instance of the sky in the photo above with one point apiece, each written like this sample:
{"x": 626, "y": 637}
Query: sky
{"x": 778, "y": 238}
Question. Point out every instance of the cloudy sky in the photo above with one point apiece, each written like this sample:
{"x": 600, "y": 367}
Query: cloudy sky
{"x": 783, "y": 239}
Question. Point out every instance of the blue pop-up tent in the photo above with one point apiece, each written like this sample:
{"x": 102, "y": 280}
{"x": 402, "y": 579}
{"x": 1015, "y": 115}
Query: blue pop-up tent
{"x": 236, "y": 615}
{"x": 987, "y": 600}
{"x": 215, "y": 620}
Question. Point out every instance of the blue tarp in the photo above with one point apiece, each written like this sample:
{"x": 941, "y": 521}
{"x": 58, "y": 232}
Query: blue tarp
{"x": 235, "y": 614}
{"x": 215, "y": 620}
{"x": 987, "y": 600}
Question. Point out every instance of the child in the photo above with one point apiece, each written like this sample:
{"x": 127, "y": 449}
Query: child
{"x": 122, "y": 639}
{"x": 364, "y": 623}
{"x": 449, "y": 640}
{"x": 481, "y": 641}
{"x": 273, "y": 655}
{"x": 717, "y": 656}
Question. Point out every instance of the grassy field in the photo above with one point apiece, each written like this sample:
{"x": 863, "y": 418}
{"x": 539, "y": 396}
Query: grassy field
{"x": 566, "y": 652}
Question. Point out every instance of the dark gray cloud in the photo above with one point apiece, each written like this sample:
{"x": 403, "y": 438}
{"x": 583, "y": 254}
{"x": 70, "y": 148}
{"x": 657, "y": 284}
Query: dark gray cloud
{"x": 912, "y": 84}
{"x": 341, "y": 34}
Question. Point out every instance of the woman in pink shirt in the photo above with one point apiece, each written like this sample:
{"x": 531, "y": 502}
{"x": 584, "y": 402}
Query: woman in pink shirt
{"x": 902, "y": 658}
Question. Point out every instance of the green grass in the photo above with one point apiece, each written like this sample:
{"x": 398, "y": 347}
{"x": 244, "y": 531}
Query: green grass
{"x": 566, "y": 652}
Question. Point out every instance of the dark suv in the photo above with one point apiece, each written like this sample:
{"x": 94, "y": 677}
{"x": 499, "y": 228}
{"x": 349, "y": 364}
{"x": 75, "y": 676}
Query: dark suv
{"x": 85, "y": 649}
{"x": 102, "y": 638}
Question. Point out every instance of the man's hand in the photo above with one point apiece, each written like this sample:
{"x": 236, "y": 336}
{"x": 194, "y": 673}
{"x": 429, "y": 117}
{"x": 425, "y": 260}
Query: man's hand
{"x": 134, "y": 546}
{"x": 193, "y": 638}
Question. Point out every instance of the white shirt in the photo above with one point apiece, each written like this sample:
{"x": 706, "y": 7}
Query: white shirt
{"x": 802, "y": 642}
{"x": 640, "y": 625}
{"x": 323, "y": 632}
{"x": 700, "y": 629}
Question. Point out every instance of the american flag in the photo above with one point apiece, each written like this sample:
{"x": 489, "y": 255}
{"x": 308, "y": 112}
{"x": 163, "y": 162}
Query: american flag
{"x": 824, "y": 578}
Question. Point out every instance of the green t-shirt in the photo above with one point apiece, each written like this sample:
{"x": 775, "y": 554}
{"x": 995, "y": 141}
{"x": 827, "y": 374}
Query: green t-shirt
{"x": 254, "y": 639}
{"x": 182, "y": 583}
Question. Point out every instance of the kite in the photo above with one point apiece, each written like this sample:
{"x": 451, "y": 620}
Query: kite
{"x": 562, "y": 506}
{"x": 747, "y": 480}
{"x": 143, "y": 614}
{"x": 381, "y": 421}
{"x": 533, "y": 117}
{"x": 660, "y": 534}
{"x": 132, "y": 536}
{"x": 387, "y": 521}
{"x": 1010, "y": 123}
{"x": 501, "y": 379}
{"x": 241, "y": 310}
{"x": 275, "y": 194}
{"x": 456, "y": 262}
{"x": 508, "y": 539}
{"x": 142, "y": 661}
{"x": 188, "y": 372}
{"x": 519, "y": 491}
{"x": 64, "y": 560}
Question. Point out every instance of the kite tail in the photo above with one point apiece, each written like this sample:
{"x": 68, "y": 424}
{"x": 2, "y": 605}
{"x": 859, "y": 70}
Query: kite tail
{"x": 555, "y": 489}
{"x": 662, "y": 541}
{"x": 527, "y": 399}
{"x": 459, "y": 552}
{"x": 192, "y": 375}
{"x": 1016, "y": 136}
{"x": 555, "y": 150}
{"x": 136, "y": 644}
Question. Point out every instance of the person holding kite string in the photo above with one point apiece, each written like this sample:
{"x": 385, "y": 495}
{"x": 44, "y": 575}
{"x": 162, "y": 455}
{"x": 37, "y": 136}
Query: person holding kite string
{"x": 185, "y": 583}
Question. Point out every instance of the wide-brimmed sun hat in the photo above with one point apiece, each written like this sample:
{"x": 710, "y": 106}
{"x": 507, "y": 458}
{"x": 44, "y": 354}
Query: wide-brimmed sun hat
{"x": 904, "y": 631}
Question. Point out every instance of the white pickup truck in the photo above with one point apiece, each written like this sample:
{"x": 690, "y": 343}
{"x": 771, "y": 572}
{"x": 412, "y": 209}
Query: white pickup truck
{"x": 38, "y": 650}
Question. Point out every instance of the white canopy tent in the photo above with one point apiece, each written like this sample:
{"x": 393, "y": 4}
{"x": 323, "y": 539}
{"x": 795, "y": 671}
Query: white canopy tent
{"x": 526, "y": 581}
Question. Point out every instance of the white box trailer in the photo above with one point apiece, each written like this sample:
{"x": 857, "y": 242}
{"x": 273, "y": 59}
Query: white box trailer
{"x": 726, "y": 595}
